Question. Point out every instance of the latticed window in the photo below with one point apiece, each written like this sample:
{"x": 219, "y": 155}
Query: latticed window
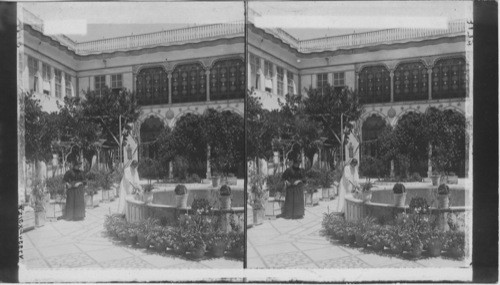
{"x": 46, "y": 75}
{"x": 116, "y": 81}
{"x": 152, "y": 86}
{"x": 374, "y": 84}
{"x": 322, "y": 81}
{"x": 290, "y": 82}
{"x": 99, "y": 83}
{"x": 33, "y": 73}
{"x": 411, "y": 82}
{"x": 254, "y": 71}
{"x": 58, "y": 78}
{"x": 268, "y": 69}
{"x": 227, "y": 79}
{"x": 189, "y": 83}
{"x": 338, "y": 81}
{"x": 281, "y": 77}
{"x": 67, "y": 83}
{"x": 371, "y": 129}
{"x": 449, "y": 78}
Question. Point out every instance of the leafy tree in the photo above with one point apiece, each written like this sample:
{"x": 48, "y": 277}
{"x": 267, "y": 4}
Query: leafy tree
{"x": 261, "y": 127}
{"x": 39, "y": 132}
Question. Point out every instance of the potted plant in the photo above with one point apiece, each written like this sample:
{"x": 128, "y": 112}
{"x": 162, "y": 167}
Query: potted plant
{"x": 217, "y": 242}
{"x": 443, "y": 196}
{"x": 455, "y": 243}
{"x": 434, "y": 240}
{"x": 93, "y": 185}
{"x": 215, "y": 179}
{"x": 147, "y": 195}
{"x": 311, "y": 189}
{"x": 225, "y": 197}
{"x": 326, "y": 180}
{"x": 148, "y": 168}
{"x": 435, "y": 177}
{"x": 181, "y": 196}
{"x": 275, "y": 203}
{"x": 55, "y": 186}
{"x": 399, "y": 194}
{"x": 452, "y": 178}
{"x": 366, "y": 191}
{"x": 107, "y": 187}
{"x": 40, "y": 201}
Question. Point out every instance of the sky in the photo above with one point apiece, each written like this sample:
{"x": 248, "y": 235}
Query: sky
{"x": 325, "y": 18}
{"x": 85, "y": 21}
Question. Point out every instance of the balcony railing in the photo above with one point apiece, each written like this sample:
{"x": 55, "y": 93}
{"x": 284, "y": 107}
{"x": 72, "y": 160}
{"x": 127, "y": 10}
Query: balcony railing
{"x": 170, "y": 37}
{"x": 455, "y": 27}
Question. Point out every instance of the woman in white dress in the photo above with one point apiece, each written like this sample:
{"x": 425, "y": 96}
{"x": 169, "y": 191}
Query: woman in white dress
{"x": 349, "y": 180}
{"x": 128, "y": 185}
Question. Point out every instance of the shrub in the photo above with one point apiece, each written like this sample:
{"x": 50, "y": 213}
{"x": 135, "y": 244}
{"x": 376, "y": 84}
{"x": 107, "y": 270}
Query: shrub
{"x": 181, "y": 165}
{"x": 313, "y": 179}
{"x": 443, "y": 189}
{"x": 325, "y": 178}
{"x": 180, "y": 189}
{"x": 418, "y": 205}
{"x": 55, "y": 186}
{"x": 275, "y": 184}
{"x": 201, "y": 205}
{"x": 399, "y": 188}
{"x": 225, "y": 190}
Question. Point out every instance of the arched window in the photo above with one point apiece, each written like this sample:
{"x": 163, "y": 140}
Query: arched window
{"x": 150, "y": 130}
{"x": 227, "y": 80}
{"x": 189, "y": 83}
{"x": 371, "y": 129}
{"x": 449, "y": 78}
{"x": 152, "y": 86}
{"x": 411, "y": 82}
{"x": 374, "y": 84}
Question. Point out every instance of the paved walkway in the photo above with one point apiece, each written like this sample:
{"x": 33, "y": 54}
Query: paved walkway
{"x": 84, "y": 244}
{"x": 283, "y": 243}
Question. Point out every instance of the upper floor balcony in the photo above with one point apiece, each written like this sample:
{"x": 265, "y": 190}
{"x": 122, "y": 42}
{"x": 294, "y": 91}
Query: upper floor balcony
{"x": 169, "y": 37}
{"x": 387, "y": 36}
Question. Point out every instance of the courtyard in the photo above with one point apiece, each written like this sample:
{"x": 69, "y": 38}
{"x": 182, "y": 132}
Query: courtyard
{"x": 85, "y": 244}
{"x": 282, "y": 243}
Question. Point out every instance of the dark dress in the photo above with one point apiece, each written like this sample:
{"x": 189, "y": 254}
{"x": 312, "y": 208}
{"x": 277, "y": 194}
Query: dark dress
{"x": 75, "y": 200}
{"x": 294, "y": 197}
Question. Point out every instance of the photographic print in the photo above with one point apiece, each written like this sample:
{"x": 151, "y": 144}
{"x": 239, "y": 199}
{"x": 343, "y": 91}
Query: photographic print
{"x": 359, "y": 137}
{"x": 131, "y": 138}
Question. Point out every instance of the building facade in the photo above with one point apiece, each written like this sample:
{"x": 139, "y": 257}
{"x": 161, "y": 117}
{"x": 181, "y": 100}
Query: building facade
{"x": 394, "y": 71}
{"x": 172, "y": 72}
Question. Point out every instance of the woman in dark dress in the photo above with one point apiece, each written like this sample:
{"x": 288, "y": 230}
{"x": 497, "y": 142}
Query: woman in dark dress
{"x": 294, "y": 197}
{"x": 75, "y": 192}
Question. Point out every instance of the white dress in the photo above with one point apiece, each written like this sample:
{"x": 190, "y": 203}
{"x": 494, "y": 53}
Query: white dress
{"x": 349, "y": 178}
{"x": 130, "y": 177}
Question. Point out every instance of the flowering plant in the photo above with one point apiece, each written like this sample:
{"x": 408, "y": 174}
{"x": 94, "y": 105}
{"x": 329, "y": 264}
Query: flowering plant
{"x": 419, "y": 205}
{"x": 201, "y": 206}
{"x": 443, "y": 189}
{"x": 225, "y": 190}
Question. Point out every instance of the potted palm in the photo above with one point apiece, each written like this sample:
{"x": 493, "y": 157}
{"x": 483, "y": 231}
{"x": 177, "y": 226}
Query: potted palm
{"x": 443, "y": 196}
{"x": 366, "y": 191}
{"x": 225, "y": 197}
{"x": 399, "y": 194}
{"x": 181, "y": 196}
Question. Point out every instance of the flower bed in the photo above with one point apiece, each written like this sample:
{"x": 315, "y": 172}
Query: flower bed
{"x": 190, "y": 235}
{"x": 406, "y": 235}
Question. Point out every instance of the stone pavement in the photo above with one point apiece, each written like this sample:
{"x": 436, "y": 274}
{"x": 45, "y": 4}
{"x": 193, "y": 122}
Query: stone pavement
{"x": 84, "y": 244}
{"x": 283, "y": 243}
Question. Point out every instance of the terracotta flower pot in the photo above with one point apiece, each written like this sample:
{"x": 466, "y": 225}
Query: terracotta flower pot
{"x": 435, "y": 179}
{"x": 360, "y": 241}
{"x": 181, "y": 201}
{"x": 215, "y": 181}
{"x": 399, "y": 199}
{"x": 225, "y": 202}
{"x": 198, "y": 252}
{"x": 416, "y": 250}
{"x": 434, "y": 248}
{"x": 443, "y": 201}
{"x": 218, "y": 249}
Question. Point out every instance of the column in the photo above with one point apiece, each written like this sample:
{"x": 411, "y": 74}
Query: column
{"x": 169, "y": 76}
{"x": 275, "y": 79}
{"x": 429, "y": 72}
{"x": 207, "y": 75}
{"x": 356, "y": 80}
{"x": 391, "y": 74}
{"x": 170, "y": 170}
{"x": 134, "y": 75}
{"x": 330, "y": 78}
{"x": 63, "y": 84}
{"x": 298, "y": 84}
{"x": 209, "y": 171}
{"x": 429, "y": 162}
{"x": 249, "y": 75}
{"x": 262, "y": 77}
{"x": 285, "y": 81}
{"x": 52, "y": 82}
